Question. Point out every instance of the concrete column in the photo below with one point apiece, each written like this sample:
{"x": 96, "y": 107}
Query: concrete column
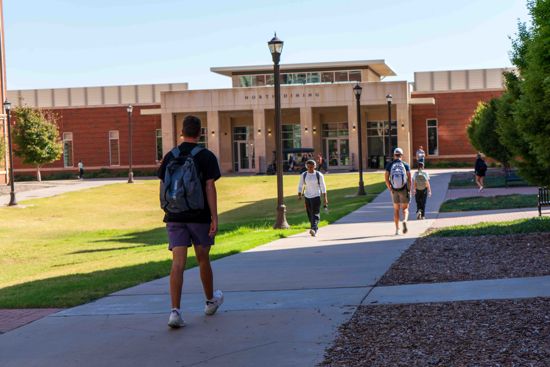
{"x": 306, "y": 122}
{"x": 213, "y": 124}
{"x": 260, "y": 133}
{"x": 404, "y": 131}
{"x": 353, "y": 143}
{"x": 168, "y": 132}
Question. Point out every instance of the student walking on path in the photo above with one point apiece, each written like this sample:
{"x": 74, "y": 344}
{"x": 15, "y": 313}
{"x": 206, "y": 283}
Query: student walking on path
{"x": 421, "y": 190}
{"x": 80, "y": 170}
{"x": 398, "y": 181}
{"x": 189, "y": 199}
{"x": 480, "y": 170}
{"x": 311, "y": 186}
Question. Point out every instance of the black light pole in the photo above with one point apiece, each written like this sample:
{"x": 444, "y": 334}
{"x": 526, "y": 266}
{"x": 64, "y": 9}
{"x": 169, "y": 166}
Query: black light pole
{"x": 129, "y": 109}
{"x": 357, "y": 91}
{"x": 7, "y": 109}
{"x": 389, "y": 100}
{"x": 276, "y": 47}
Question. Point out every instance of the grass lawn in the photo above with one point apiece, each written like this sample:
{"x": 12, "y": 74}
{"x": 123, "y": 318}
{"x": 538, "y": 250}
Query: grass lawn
{"x": 466, "y": 180}
{"x": 489, "y": 203}
{"x": 531, "y": 225}
{"x": 71, "y": 249}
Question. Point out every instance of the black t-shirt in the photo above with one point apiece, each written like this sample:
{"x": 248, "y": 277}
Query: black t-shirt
{"x": 208, "y": 169}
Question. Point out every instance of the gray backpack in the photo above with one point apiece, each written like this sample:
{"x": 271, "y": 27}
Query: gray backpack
{"x": 181, "y": 191}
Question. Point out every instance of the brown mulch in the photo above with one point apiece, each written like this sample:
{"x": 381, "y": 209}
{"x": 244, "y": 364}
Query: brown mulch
{"x": 473, "y": 333}
{"x": 445, "y": 259}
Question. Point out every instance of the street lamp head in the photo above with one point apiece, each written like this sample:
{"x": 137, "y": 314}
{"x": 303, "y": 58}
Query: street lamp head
{"x": 357, "y": 91}
{"x": 389, "y": 98}
{"x": 130, "y": 108}
{"x": 7, "y": 105}
{"x": 275, "y": 45}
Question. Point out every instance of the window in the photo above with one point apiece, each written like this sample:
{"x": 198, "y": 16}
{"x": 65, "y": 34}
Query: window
{"x": 291, "y": 136}
{"x": 313, "y": 78}
{"x": 335, "y": 129}
{"x": 203, "y": 140}
{"x": 114, "y": 148}
{"x": 327, "y": 77}
{"x": 355, "y": 76}
{"x": 432, "y": 137}
{"x": 341, "y": 76}
{"x": 259, "y": 80}
{"x": 68, "y": 149}
{"x": 246, "y": 80}
{"x": 159, "y": 144}
{"x": 377, "y": 138}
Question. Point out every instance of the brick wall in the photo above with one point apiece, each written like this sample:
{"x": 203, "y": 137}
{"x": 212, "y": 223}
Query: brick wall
{"x": 453, "y": 111}
{"x": 90, "y": 128}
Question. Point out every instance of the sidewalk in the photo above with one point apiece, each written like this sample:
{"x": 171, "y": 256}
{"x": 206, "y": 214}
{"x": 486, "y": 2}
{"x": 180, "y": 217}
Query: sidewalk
{"x": 471, "y": 192}
{"x": 283, "y": 303}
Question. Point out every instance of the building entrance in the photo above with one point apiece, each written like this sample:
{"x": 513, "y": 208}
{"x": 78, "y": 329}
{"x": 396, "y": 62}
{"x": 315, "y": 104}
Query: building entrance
{"x": 336, "y": 145}
{"x": 243, "y": 149}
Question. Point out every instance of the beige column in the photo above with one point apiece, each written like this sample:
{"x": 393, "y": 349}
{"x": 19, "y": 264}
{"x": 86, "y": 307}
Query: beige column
{"x": 213, "y": 124}
{"x": 260, "y": 133}
{"x": 168, "y": 133}
{"x": 404, "y": 131}
{"x": 306, "y": 122}
{"x": 353, "y": 142}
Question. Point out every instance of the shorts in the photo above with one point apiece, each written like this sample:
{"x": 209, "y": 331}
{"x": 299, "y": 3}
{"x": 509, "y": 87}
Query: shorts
{"x": 187, "y": 234}
{"x": 401, "y": 196}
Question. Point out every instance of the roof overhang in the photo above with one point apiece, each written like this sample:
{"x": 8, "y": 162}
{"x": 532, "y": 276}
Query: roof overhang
{"x": 378, "y": 66}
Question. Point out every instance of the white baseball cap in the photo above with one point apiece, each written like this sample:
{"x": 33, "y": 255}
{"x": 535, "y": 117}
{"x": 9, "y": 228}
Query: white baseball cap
{"x": 398, "y": 151}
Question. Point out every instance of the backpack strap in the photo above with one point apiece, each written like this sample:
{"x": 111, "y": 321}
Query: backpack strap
{"x": 318, "y": 179}
{"x": 196, "y": 150}
{"x": 176, "y": 152}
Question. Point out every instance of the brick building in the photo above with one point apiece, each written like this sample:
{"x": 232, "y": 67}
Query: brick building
{"x": 318, "y": 111}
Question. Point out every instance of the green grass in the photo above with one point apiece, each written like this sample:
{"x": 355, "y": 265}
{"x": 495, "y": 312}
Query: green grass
{"x": 531, "y": 225}
{"x": 489, "y": 203}
{"x": 492, "y": 181}
{"x": 70, "y": 249}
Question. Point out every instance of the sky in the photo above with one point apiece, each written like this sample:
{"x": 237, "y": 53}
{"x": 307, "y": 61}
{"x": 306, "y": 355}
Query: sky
{"x": 72, "y": 43}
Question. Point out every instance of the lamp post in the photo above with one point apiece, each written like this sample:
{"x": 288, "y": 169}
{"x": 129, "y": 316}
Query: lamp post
{"x": 389, "y": 99}
{"x": 276, "y": 47}
{"x": 7, "y": 109}
{"x": 129, "y": 109}
{"x": 357, "y": 91}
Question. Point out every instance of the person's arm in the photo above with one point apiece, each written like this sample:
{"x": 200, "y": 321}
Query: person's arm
{"x": 409, "y": 180}
{"x": 429, "y": 187}
{"x": 212, "y": 199}
{"x": 387, "y": 178}
{"x": 414, "y": 183}
{"x": 324, "y": 189}
{"x": 300, "y": 186}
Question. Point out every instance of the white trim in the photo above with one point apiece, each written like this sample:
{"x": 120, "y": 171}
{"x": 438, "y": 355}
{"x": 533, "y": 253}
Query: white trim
{"x": 118, "y": 144}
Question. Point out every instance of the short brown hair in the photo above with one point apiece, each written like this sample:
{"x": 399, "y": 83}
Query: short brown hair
{"x": 191, "y": 126}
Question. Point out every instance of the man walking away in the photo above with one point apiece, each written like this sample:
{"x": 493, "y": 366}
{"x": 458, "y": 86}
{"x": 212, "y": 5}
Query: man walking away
{"x": 421, "y": 155}
{"x": 311, "y": 186}
{"x": 80, "y": 170}
{"x": 480, "y": 171}
{"x": 189, "y": 199}
{"x": 421, "y": 190}
{"x": 398, "y": 181}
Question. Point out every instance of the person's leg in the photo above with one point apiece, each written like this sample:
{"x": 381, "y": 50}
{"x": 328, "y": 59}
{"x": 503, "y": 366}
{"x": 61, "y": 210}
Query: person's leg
{"x": 309, "y": 211}
{"x": 203, "y": 258}
{"x": 315, "y": 212}
{"x": 418, "y": 199}
{"x": 396, "y": 216}
{"x": 179, "y": 257}
{"x": 421, "y": 201}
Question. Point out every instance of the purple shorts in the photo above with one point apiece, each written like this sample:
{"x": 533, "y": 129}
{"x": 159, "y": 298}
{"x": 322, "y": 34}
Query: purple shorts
{"x": 187, "y": 234}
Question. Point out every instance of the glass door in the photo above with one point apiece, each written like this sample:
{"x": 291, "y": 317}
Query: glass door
{"x": 337, "y": 152}
{"x": 243, "y": 150}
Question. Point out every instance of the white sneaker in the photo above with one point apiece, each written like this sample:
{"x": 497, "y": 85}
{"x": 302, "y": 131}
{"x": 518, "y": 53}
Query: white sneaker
{"x": 213, "y": 304}
{"x": 405, "y": 230}
{"x": 175, "y": 321}
{"x": 418, "y": 215}
{"x": 397, "y": 232}
{"x": 312, "y": 232}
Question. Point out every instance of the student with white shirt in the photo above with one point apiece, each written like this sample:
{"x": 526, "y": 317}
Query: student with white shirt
{"x": 311, "y": 186}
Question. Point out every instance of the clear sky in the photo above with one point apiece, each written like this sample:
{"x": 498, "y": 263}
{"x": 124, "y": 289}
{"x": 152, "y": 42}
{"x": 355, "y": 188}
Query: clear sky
{"x": 68, "y": 43}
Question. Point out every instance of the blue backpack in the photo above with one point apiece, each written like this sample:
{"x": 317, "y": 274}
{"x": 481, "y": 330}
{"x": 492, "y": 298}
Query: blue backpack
{"x": 181, "y": 191}
{"x": 398, "y": 175}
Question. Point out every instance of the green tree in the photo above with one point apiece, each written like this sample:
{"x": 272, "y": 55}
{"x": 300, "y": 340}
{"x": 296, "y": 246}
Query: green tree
{"x": 482, "y": 132}
{"x": 524, "y": 117}
{"x": 36, "y": 137}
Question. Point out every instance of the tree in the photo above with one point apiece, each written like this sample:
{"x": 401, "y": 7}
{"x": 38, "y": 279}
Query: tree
{"x": 525, "y": 107}
{"x": 36, "y": 137}
{"x": 483, "y": 135}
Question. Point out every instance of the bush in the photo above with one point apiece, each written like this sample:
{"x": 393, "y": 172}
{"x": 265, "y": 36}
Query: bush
{"x": 448, "y": 164}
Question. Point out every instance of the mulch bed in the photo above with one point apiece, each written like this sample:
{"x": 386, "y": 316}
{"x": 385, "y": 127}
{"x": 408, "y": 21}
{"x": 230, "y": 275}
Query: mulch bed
{"x": 473, "y": 333}
{"x": 445, "y": 259}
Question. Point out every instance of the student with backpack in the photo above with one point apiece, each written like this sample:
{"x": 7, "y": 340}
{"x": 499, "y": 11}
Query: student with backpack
{"x": 421, "y": 190}
{"x": 311, "y": 185}
{"x": 189, "y": 199}
{"x": 398, "y": 182}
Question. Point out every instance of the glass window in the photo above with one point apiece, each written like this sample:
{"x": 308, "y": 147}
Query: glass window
{"x": 341, "y": 76}
{"x": 286, "y": 79}
{"x": 269, "y": 79}
{"x": 259, "y": 80}
{"x": 114, "y": 148}
{"x": 68, "y": 149}
{"x": 355, "y": 76}
{"x": 203, "y": 141}
{"x": 291, "y": 136}
{"x": 300, "y": 78}
{"x": 246, "y": 80}
{"x": 159, "y": 144}
{"x": 377, "y": 138}
{"x": 314, "y": 77}
{"x": 327, "y": 77}
{"x": 432, "y": 137}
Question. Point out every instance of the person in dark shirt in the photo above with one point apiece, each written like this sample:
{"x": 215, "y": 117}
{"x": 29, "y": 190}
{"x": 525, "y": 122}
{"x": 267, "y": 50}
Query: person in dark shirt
{"x": 480, "y": 171}
{"x": 398, "y": 182}
{"x": 197, "y": 227}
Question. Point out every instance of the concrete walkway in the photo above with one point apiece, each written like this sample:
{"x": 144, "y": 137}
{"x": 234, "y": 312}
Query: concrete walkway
{"x": 284, "y": 303}
{"x": 472, "y": 192}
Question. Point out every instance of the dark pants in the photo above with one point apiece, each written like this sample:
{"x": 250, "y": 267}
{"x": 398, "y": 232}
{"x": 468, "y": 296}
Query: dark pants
{"x": 313, "y": 207}
{"x": 421, "y": 196}
{"x": 81, "y": 173}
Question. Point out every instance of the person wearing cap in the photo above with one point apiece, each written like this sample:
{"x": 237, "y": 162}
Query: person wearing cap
{"x": 311, "y": 185}
{"x": 421, "y": 190}
{"x": 398, "y": 182}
